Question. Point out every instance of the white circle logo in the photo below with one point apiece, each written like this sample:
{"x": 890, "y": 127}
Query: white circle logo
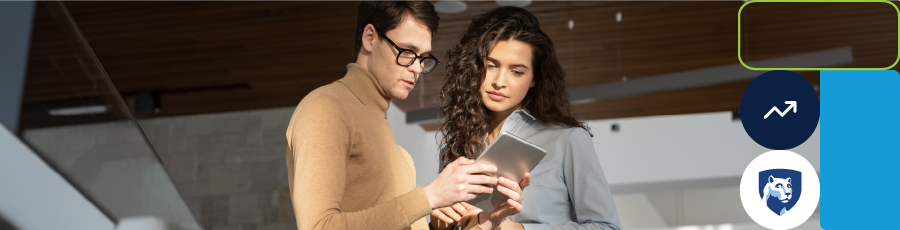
{"x": 780, "y": 189}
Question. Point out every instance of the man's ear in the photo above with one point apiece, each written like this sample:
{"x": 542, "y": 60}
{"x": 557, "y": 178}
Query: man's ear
{"x": 369, "y": 37}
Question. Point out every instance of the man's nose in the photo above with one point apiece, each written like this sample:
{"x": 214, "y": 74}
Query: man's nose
{"x": 416, "y": 66}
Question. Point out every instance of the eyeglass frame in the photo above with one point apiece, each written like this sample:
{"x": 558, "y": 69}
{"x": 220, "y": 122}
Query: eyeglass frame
{"x": 401, "y": 50}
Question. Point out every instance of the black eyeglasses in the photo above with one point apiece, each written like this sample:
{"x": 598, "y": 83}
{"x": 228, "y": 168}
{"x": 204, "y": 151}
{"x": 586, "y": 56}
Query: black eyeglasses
{"x": 407, "y": 57}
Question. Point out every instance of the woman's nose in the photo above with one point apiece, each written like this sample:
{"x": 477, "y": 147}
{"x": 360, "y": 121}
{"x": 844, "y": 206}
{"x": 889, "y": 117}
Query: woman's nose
{"x": 497, "y": 81}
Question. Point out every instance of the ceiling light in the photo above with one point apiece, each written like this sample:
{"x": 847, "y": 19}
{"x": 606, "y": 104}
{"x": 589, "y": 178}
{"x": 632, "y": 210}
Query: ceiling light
{"x": 450, "y": 7}
{"x": 82, "y": 110}
{"x": 517, "y": 3}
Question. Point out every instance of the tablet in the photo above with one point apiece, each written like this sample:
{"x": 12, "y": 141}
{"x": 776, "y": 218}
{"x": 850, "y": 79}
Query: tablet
{"x": 513, "y": 157}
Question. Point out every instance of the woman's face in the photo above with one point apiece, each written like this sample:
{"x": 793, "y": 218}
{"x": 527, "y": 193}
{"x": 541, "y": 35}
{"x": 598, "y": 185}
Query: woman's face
{"x": 508, "y": 75}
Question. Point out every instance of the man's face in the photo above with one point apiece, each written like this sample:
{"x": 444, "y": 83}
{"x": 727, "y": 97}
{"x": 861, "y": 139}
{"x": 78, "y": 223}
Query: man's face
{"x": 394, "y": 79}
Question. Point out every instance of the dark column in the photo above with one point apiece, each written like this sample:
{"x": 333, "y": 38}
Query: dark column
{"x": 15, "y": 25}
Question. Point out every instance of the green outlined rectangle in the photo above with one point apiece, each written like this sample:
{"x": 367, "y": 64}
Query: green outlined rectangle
{"x": 818, "y": 69}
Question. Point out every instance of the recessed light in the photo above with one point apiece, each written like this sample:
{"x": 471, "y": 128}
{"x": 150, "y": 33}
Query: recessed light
{"x": 450, "y": 7}
{"x": 517, "y": 3}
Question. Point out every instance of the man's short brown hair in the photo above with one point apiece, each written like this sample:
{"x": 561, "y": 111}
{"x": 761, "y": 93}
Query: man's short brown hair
{"x": 387, "y": 15}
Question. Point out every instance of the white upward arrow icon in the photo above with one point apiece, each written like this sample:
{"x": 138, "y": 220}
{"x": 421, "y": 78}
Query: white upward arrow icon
{"x": 792, "y": 104}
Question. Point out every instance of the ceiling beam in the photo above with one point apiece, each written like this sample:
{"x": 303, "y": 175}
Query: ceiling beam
{"x": 707, "y": 76}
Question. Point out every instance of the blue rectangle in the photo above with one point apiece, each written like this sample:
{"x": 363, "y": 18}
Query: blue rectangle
{"x": 859, "y": 149}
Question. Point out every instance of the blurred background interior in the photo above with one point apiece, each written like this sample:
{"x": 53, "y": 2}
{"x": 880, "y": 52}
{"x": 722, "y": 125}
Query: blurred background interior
{"x": 172, "y": 115}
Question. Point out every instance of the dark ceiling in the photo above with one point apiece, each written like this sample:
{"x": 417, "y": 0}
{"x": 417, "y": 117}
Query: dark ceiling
{"x": 208, "y": 57}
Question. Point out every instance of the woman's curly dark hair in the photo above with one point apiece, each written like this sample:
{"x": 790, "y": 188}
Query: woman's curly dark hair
{"x": 466, "y": 119}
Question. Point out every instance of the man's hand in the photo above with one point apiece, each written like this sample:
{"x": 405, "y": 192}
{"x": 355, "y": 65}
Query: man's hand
{"x": 461, "y": 180}
{"x": 512, "y": 205}
{"x": 444, "y": 218}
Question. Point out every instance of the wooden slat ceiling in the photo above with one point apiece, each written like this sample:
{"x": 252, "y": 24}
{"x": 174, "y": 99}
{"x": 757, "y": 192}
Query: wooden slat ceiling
{"x": 207, "y": 57}
{"x": 62, "y": 73}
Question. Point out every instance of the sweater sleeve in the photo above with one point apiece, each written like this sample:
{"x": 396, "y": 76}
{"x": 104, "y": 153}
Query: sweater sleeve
{"x": 319, "y": 143}
{"x": 422, "y": 223}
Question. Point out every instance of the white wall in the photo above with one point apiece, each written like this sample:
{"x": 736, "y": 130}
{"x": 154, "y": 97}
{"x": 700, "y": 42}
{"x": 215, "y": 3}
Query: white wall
{"x": 680, "y": 147}
{"x": 683, "y": 169}
{"x": 808, "y": 225}
{"x": 637, "y": 211}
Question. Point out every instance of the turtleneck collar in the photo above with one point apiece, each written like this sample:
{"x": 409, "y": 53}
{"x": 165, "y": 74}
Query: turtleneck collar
{"x": 365, "y": 87}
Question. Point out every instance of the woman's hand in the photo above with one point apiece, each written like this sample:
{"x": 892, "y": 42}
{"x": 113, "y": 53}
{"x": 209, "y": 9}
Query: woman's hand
{"x": 444, "y": 218}
{"x": 513, "y": 205}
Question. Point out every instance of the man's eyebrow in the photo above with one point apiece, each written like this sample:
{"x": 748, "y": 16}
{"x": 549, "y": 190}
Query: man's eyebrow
{"x": 404, "y": 45}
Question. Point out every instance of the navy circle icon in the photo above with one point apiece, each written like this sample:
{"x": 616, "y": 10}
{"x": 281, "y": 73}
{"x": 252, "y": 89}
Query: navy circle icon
{"x": 780, "y": 110}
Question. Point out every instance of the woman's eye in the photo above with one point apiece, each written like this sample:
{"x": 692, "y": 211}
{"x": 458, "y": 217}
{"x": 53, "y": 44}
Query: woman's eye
{"x": 518, "y": 72}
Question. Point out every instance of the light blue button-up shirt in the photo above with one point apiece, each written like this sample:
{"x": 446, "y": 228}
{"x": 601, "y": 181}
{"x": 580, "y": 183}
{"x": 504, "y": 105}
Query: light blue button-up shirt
{"x": 568, "y": 188}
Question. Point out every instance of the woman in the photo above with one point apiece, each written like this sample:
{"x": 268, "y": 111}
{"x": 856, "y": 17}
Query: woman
{"x": 504, "y": 76}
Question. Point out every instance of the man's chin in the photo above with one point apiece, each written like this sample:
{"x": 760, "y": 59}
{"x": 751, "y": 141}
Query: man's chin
{"x": 400, "y": 94}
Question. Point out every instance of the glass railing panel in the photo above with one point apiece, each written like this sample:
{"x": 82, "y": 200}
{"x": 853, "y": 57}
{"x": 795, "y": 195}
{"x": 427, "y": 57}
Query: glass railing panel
{"x": 74, "y": 117}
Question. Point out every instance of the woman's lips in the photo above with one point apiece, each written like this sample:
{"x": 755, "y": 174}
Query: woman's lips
{"x": 496, "y": 96}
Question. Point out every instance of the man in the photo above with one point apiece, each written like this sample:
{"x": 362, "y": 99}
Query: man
{"x": 345, "y": 169}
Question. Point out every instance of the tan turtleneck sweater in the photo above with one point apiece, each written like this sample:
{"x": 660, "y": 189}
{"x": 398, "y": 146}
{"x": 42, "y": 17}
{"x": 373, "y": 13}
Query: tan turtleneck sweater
{"x": 345, "y": 169}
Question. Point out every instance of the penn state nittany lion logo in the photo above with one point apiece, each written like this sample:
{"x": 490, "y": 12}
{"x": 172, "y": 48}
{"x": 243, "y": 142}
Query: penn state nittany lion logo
{"x": 780, "y": 189}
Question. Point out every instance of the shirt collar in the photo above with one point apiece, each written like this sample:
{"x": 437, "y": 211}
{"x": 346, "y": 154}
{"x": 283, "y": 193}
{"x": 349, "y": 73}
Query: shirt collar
{"x": 511, "y": 121}
{"x": 365, "y": 87}
{"x": 525, "y": 113}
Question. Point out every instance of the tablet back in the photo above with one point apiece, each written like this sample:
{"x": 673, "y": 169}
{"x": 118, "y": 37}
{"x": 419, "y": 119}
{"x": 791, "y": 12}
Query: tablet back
{"x": 513, "y": 157}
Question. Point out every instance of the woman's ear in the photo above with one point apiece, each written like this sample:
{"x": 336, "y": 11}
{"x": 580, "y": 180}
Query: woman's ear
{"x": 369, "y": 38}
{"x": 532, "y": 85}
